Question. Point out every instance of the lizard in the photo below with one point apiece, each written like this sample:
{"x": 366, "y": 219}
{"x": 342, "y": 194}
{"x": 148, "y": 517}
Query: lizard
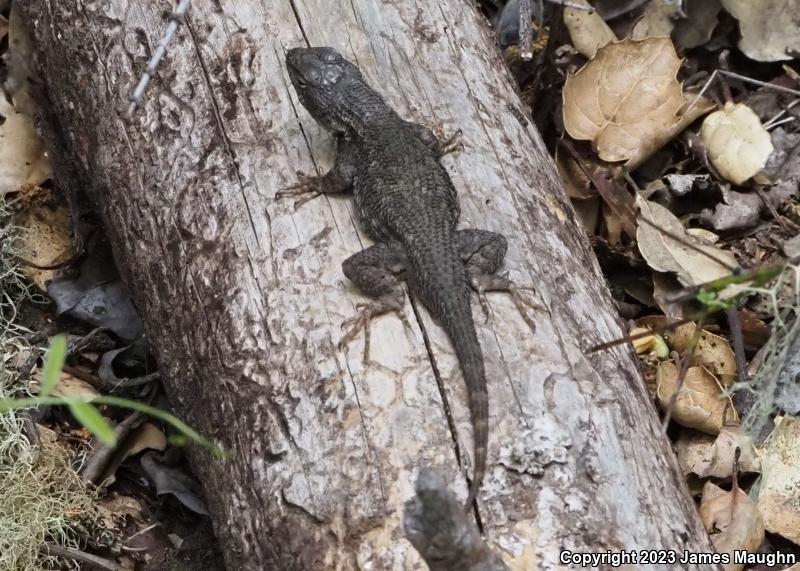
{"x": 407, "y": 203}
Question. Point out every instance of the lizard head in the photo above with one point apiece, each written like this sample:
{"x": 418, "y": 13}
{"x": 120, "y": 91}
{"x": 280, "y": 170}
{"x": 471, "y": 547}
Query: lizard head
{"x": 325, "y": 83}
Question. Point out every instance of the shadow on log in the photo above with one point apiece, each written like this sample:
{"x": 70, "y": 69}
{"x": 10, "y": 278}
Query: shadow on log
{"x": 243, "y": 296}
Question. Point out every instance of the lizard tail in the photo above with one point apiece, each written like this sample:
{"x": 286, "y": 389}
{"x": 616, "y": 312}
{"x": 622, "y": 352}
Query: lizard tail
{"x": 457, "y": 322}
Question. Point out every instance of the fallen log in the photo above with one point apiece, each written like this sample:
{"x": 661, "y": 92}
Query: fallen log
{"x": 243, "y": 296}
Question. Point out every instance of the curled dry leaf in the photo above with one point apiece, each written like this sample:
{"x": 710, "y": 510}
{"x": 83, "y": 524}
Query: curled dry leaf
{"x": 147, "y": 437}
{"x": 69, "y": 386}
{"x": 779, "y": 494}
{"x": 650, "y": 344}
{"x": 708, "y": 457}
{"x": 737, "y": 144}
{"x": 732, "y": 521}
{"x": 712, "y": 351}
{"x": 587, "y": 30}
{"x": 701, "y": 403}
{"x": 769, "y": 28}
{"x": 665, "y": 254}
{"x": 627, "y": 100}
{"x": 657, "y": 19}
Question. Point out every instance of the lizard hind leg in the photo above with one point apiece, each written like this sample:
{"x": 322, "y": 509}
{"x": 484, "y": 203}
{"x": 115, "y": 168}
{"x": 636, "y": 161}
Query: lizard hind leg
{"x": 482, "y": 252}
{"x": 378, "y": 272}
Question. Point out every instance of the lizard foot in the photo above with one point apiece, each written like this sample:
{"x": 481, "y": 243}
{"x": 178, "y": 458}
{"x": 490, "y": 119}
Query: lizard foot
{"x": 483, "y": 283}
{"x": 452, "y": 144}
{"x": 307, "y": 187}
{"x": 361, "y": 320}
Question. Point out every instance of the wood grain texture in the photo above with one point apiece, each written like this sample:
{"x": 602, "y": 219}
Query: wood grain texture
{"x": 243, "y": 296}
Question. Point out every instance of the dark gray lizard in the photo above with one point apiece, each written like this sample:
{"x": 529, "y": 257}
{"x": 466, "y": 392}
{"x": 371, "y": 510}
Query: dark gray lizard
{"x": 407, "y": 203}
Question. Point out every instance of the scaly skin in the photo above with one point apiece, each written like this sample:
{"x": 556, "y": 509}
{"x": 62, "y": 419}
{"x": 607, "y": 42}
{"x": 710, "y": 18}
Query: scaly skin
{"x": 407, "y": 203}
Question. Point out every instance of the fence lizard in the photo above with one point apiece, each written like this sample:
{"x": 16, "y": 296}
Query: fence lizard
{"x": 407, "y": 203}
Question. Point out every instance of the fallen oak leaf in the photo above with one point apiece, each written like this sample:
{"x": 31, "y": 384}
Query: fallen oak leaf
{"x": 700, "y": 404}
{"x": 658, "y": 19}
{"x": 712, "y": 351}
{"x": 587, "y": 30}
{"x": 737, "y": 144}
{"x": 769, "y": 28}
{"x": 695, "y": 265}
{"x": 732, "y": 521}
{"x": 709, "y": 457}
{"x": 779, "y": 495}
{"x": 628, "y": 101}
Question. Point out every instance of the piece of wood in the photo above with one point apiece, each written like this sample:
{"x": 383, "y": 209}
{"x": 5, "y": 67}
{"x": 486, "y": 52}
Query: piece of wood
{"x": 243, "y": 297}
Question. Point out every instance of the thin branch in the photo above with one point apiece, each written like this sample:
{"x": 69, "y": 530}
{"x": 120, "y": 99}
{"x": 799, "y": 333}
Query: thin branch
{"x": 737, "y": 340}
{"x": 93, "y": 561}
{"x": 688, "y": 244}
{"x": 175, "y": 20}
{"x": 741, "y": 78}
{"x": 685, "y": 362}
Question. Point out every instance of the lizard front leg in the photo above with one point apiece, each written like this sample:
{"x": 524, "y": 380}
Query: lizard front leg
{"x": 336, "y": 181}
{"x": 378, "y": 272}
{"x": 482, "y": 252}
{"x": 440, "y": 145}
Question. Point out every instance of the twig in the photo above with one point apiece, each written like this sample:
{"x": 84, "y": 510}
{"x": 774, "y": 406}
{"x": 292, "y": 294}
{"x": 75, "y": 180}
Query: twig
{"x": 782, "y": 220}
{"x": 737, "y": 340}
{"x": 568, "y": 4}
{"x": 688, "y": 244}
{"x": 726, "y": 89}
{"x": 637, "y": 336}
{"x": 685, "y": 362}
{"x": 175, "y": 20}
{"x": 741, "y": 78}
{"x": 525, "y": 29}
{"x": 57, "y": 266}
{"x": 101, "y": 455}
{"x": 77, "y": 555}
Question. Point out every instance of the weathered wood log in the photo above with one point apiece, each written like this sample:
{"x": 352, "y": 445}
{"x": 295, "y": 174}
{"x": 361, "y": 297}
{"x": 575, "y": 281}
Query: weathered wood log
{"x": 243, "y": 296}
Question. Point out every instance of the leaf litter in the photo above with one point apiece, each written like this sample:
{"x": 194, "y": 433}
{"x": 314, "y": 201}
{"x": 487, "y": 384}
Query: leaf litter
{"x": 688, "y": 140}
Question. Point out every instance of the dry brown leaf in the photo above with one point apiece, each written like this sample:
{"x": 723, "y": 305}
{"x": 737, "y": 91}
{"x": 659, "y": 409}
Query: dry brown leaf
{"x": 701, "y": 403}
{"x": 664, "y": 254}
{"x": 44, "y": 239}
{"x": 69, "y": 386}
{"x": 147, "y": 436}
{"x": 732, "y": 521}
{"x": 779, "y": 495}
{"x": 712, "y": 351}
{"x": 709, "y": 457}
{"x": 769, "y": 27}
{"x": 627, "y": 100}
{"x": 587, "y": 30}
{"x": 657, "y": 19}
{"x": 737, "y": 144}
{"x": 699, "y": 23}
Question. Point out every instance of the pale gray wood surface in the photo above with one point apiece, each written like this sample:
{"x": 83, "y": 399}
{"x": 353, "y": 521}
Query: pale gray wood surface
{"x": 243, "y": 296}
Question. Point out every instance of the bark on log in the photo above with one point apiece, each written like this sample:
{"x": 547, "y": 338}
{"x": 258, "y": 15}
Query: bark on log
{"x": 243, "y": 297}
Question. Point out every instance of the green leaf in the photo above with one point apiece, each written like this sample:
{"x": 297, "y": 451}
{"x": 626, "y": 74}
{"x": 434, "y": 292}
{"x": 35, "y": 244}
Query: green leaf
{"x": 92, "y": 420}
{"x": 53, "y": 363}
